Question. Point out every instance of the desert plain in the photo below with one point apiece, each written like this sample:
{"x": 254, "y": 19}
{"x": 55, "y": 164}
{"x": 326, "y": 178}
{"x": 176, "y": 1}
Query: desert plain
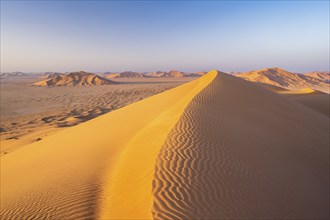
{"x": 213, "y": 147}
{"x": 29, "y": 113}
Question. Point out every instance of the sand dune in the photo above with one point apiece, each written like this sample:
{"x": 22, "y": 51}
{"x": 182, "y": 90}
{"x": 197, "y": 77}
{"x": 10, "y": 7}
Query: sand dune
{"x": 218, "y": 147}
{"x": 155, "y": 74}
{"x": 285, "y": 79}
{"x": 68, "y": 175}
{"x": 318, "y": 102}
{"x": 73, "y": 79}
{"x": 158, "y": 74}
{"x": 13, "y": 74}
{"x": 30, "y": 113}
{"x": 241, "y": 152}
{"x": 325, "y": 76}
{"x": 127, "y": 74}
{"x": 315, "y": 100}
{"x": 172, "y": 73}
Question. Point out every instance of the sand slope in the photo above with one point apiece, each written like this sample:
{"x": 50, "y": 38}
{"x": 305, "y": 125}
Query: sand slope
{"x": 315, "y": 100}
{"x": 218, "y": 147}
{"x": 127, "y": 74}
{"x": 242, "y": 152}
{"x": 76, "y": 173}
{"x": 325, "y": 76}
{"x": 285, "y": 79}
{"x": 28, "y": 111}
{"x": 73, "y": 79}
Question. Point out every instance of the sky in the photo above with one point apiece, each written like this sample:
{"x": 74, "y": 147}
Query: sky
{"x": 97, "y": 36}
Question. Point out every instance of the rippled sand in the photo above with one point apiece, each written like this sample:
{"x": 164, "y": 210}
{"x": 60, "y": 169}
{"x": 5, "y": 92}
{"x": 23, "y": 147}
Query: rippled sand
{"x": 218, "y": 147}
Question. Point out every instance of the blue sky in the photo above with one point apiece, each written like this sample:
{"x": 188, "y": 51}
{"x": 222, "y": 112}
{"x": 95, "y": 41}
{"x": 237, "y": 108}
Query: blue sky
{"x": 164, "y": 35}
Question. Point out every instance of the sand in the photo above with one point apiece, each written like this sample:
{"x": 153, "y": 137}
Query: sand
{"x": 241, "y": 152}
{"x": 312, "y": 99}
{"x": 29, "y": 113}
{"x": 287, "y": 80}
{"x": 74, "y": 79}
{"x": 218, "y": 147}
{"x": 67, "y": 175}
{"x": 319, "y": 102}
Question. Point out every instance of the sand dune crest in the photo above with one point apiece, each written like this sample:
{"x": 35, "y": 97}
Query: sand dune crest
{"x": 285, "y": 79}
{"x": 76, "y": 173}
{"x": 241, "y": 152}
{"x": 73, "y": 79}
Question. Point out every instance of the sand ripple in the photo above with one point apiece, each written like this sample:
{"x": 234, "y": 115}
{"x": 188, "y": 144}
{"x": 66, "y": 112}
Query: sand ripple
{"x": 239, "y": 152}
{"x": 69, "y": 200}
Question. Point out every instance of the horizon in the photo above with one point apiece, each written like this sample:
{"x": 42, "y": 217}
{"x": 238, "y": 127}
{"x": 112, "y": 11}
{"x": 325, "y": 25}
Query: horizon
{"x": 109, "y": 71}
{"x": 151, "y": 36}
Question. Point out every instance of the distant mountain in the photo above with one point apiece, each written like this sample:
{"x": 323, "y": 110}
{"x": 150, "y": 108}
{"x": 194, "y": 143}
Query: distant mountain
{"x": 52, "y": 74}
{"x": 126, "y": 74}
{"x": 285, "y": 79}
{"x": 74, "y": 79}
{"x": 108, "y": 73}
{"x": 234, "y": 73}
{"x": 13, "y": 74}
{"x": 174, "y": 73}
{"x": 196, "y": 74}
{"x": 155, "y": 74}
{"x": 324, "y": 75}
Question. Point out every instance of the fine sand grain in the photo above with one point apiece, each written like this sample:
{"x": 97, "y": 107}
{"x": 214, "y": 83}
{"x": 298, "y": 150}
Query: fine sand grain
{"x": 30, "y": 113}
{"x": 314, "y": 100}
{"x": 218, "y": 147}
{"x": 77, "y": 172}
{"x": 318, "y": 102}
{"x": 241, "y": 152}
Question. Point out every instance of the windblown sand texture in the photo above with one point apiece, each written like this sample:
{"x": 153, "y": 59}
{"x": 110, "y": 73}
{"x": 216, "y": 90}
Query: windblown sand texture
{"x": 241, "y": 152}
{"x": 218, "y": 147}
{"x": 69, "y": 174}
{"x": 30, "y": 113}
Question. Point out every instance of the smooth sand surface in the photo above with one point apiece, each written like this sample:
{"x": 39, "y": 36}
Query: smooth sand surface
{"x": 319, "y": 102}
{"x": 218, "y": 147}
{"x": 314, "y": 100}
{"x": 242, "y": 152}
{"x": 70, "y": 174}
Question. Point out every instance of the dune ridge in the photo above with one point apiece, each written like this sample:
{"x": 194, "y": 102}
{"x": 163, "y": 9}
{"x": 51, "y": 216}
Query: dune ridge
{"x": 74, "y": 79}
{"x": 72, "y": 174}
{"x": 285, "y": 79}
{"x": 127, "y": 74}
{"x": 129, "y": 191}
{"x": 325, "y": 75}
{"x": 242, "y": 152}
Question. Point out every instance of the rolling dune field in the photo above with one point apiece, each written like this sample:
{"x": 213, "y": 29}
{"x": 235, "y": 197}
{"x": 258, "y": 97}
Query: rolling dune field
{"x": 30, "y": 113}
{"x": 260, "y": 156}
{"x": 218, "y": 147}
{"x": 73, "y": 173}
